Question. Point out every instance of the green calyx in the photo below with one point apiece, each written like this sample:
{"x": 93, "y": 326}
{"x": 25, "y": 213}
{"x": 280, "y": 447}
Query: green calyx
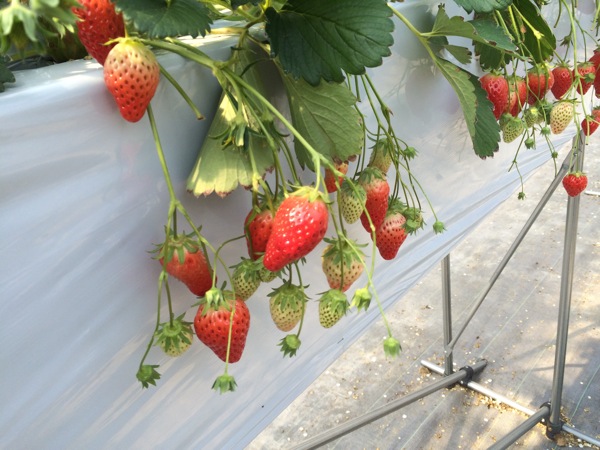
{"x": 289, "y": 296}
{"x": 147, "y": 375}
{"x": 224, "y": 383}
{"x": 391, "y": 347}
{"x": 362, "y": 299}
{"x": 290, "y": 345}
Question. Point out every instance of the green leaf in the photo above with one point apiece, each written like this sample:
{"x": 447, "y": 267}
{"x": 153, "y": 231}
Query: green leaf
{"x": 462, "y": 54}
{"x": 483, "y": 6}
{"x": 489, "y": 32}
{"x": 237, "y": 3}
{"x": 484, "y": 31}
{"x": 326, "y": 117}
{"x": 160, "y": 19}
{"x": 6, "y": 76}
{"x": 225, "y": 158}
{"x": 477, "y": 109}
{"x": 316, "y": 39}
{"x": 539, "y": 39}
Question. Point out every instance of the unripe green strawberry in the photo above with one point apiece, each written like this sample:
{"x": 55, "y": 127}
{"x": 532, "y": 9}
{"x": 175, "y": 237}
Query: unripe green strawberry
{"x": 352, "y": 201}
{"x": 512, "y": 129}
{"x": 381, "y": 155}
{"x": 341, "y": 264}
{"x": 286, "y": 305}
{"x": 266, "y": 276}
{"x": 332, "y": 307}
{"x": 246, "y": 278}
{"x": 131, "y": 74}
{"x": 174, "y": 337}
{"x": 531, "y": 116}
{"x": 561, "y": 116}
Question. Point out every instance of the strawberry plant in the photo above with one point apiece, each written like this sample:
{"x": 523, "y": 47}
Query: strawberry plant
{"x": 316, "y": 167}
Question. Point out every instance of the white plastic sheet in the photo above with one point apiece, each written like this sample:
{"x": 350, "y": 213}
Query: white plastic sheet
{"x": 82, "y": 200}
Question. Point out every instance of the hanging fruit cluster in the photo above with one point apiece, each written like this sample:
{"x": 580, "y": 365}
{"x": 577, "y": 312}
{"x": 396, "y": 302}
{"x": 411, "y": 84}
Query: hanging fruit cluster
{"x": 361, "y": 174}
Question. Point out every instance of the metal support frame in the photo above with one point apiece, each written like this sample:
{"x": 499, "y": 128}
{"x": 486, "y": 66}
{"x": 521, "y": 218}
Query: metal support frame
{"x": 549, "y": 412}
{"x": 460, "y": 376}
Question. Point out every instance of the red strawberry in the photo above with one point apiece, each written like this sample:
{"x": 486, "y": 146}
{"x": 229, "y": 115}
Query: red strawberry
{"x": 590, "y": 124}
{"x": 517, "y": 96}
{"x": 563, "y": 79}
{"x": 496, "y": 87}
{"x": 377, "y": 189}
{"x": 595, "y": 58}
{"x": 575, "y": 183}
{"x": 391, "y": 234}
{"x": 539, "y": 81}
{"x": 586, "y": 72}
{"x": 99, "y": 24}
{"x": 186, "y": 261}
{"x": 258, "y": 228}
{"x": 286, "y": 305}
{"x": 213, "y": 319}
{"x": 330, "y": 177}
{"x": 131, "y": 74}
{"x": 341, "y": 264}
{"x": 299, "y": 225}
{"x": 597, "y": 86}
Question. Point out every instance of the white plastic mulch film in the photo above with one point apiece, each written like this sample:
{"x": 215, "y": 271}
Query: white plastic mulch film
{"x": 83, "y": 200}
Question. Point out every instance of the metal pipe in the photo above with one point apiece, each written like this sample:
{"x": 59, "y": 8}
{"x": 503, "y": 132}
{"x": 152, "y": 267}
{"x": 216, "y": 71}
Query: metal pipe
{"x": 566, "y": 287}
{"x": 447, "y": 313}
{"x": 580, "y": 435}
{"x": 353, "y": 424}
{"x": 507, "y": 401}
{"x": 532, "y": 218}
{"x": 519, "y": 431}
{"x": 483, "y": 390}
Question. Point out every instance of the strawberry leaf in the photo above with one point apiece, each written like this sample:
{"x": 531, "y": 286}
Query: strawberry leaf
{"x": 326, "y": 117}
{"x": 483, "y": 6}
{"x": 483, "y": 31}
{"x": 6, "y": 76}
{"x": 481, "y": 123}
{"x": 316, "y": 39}
{"x": 224, "y": 161}
{"x": 160, "y": 19}
{"x": 237, "y": 3}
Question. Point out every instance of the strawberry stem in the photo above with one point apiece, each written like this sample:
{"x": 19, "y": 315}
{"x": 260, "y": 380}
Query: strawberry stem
{"x": 182, "y": 92}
